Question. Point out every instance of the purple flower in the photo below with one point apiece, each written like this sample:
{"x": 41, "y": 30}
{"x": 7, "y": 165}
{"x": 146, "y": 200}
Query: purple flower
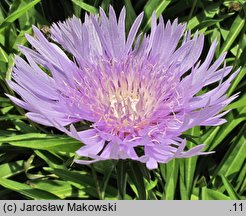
{"x": 140, "y": 93}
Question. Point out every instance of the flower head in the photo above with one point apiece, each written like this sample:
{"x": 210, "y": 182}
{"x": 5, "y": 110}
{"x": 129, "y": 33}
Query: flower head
{"x": 139, "y": 92}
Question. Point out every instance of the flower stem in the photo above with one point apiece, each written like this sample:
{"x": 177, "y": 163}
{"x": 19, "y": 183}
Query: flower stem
{"x": 106, "y": 179}
{"x": 121, "y": 179}
{"x": 96, "y": 182}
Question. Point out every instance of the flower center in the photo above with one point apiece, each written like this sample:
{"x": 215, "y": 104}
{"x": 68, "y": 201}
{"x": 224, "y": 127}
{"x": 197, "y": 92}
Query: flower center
{"x": 124, "y": 107}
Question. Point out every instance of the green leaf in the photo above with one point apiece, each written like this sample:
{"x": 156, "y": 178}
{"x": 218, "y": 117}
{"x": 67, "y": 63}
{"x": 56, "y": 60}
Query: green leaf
{"x": 130, "y": 14}
{"x": 12, "y": 168}
{"x": 190, "y": 163}
{"x": 236, "y": 81}
{"x": 234, "y": 32}
{"x": 21, "y": 39}
{"x": 209, "y": 194}
{"x": 170, "y": 175}
{"x": 18, "y": 13}
{"x": 158, "y": 8}
{"x": 233, "y": 195}
{"x": 76, "y": 179}
{"x": 10, "y": 67}
{"x": 150, "y": 7}
{"x": 183, "y": 190}
{"x": 85, "y": 6}
{"x": 238, "y": 104}
{"x": 27, "y": 190}
{"x": 202, "y": 27}
{"x": 105, "y": 4}
{"x": 241, "y": 183}
{"x": 54, "y": 143}
{"x": 82, "y": 181}
{"x": 62, "y": 189}
{"x": 11, "y": 117}
{"x": 234, "y": 157}
{"x": 53, "y": 160}
{"x": 3, "y": 55}
{"x": 222, "y": 131}
{"x": 137, "y": 178}
{"x": 28, "y": 165}
{"x": 207, "y": 13}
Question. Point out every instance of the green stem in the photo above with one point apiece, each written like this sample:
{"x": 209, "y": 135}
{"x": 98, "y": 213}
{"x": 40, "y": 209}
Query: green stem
{"x": 96, "y": 182}
{"x": 192, "y": 9}
{"x": 105, "y": 182}
{"x": 240, "y": 45}
{"x": 121, "y": 179}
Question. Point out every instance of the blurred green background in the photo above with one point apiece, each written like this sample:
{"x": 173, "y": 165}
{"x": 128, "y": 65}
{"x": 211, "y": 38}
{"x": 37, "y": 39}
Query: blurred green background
{"x": 36, "y": 162}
